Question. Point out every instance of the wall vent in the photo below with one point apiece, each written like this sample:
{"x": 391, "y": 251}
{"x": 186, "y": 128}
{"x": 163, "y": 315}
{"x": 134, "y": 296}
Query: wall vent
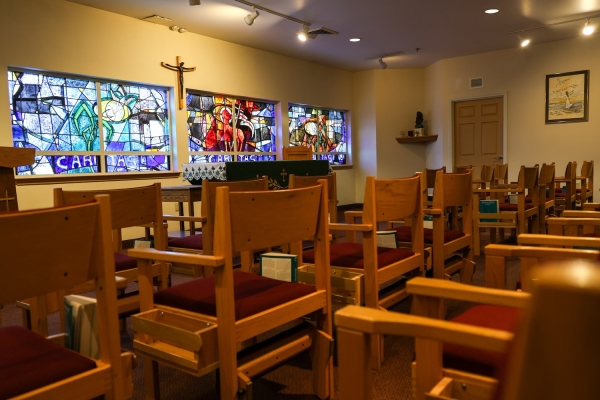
{"x": 476, "y": 83}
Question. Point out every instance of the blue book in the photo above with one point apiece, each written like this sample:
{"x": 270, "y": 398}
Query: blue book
{"x": 489, "y": 206}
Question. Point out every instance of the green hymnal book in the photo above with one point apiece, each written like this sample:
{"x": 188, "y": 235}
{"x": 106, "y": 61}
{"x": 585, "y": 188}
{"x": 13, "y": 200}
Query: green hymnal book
{"x": 428, "y": 221}
{"x": 82, "y": 325}
{"x": 283, "y": 267}
{"x": 488, "y": 206}
{"x": 387, "y": 239}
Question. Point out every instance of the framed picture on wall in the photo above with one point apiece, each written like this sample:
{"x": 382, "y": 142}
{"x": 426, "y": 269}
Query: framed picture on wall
{"x": 567, "y": 97}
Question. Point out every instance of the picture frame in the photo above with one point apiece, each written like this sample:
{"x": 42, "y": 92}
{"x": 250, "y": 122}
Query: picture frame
{"x": 567, "y": 97}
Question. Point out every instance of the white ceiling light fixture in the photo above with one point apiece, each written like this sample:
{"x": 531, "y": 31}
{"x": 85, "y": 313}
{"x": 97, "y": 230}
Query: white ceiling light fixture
{"x": 492, "y": 11}
{"x": 174, "y": 28}
{"x": 588, "y": 29}
{"x": 356, "y": 39}
{"x": 382, "y": 63}
{"x": 523, "y": 40}
{"x": 379, "y": 58}
{"x": 249, "y": 19}
{"x": 194, "y": 2}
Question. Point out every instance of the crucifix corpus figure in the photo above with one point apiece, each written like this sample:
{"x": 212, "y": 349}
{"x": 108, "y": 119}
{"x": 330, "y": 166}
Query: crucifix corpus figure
{"x": 180, "y": 70}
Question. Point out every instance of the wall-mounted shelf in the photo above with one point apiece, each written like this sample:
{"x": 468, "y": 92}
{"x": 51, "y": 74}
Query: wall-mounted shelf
{"x": 418, "y": 139}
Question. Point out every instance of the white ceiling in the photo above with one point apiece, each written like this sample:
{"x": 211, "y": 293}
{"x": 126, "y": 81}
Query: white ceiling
{"x": 440, "y": 28}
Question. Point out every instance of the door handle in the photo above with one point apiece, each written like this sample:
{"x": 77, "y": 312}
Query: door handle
{"x": 500, "y": 157}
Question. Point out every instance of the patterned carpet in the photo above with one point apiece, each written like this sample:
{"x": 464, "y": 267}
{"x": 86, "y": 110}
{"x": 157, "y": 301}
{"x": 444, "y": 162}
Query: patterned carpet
{"x": 293, "y": 380}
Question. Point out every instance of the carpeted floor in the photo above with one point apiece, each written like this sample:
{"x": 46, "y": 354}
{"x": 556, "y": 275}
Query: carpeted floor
{"x": 293, "y": 380}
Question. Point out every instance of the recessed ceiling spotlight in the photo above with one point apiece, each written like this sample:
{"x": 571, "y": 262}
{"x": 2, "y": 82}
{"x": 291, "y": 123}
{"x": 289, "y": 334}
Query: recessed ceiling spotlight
{"x": 356, "y": 39}
{"x": 492, "y": 11}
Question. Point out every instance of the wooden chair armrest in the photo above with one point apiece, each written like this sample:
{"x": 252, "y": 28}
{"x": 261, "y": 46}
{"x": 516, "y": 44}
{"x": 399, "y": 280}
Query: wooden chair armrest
{"x": 561, "y": 179}
{"x": 538, "y": 252}
{"x": 182, "y": 218}
{"x": 591, "y": 206}
{"x": 555, "y": 240}
{"x": 458, "y": 291}
{"x": 432, "y": 211}
{"x": 182, "y": 258}
{"x": 577, "y": 214}
{"x": 506, "y": 186}
{"x": 351, "y": 227}
{"x": 507, "y": 190}
{"x": 372, "y": 321}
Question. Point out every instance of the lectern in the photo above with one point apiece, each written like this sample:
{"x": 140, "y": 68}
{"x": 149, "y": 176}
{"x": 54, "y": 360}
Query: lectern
{"x": 11, "y": 157}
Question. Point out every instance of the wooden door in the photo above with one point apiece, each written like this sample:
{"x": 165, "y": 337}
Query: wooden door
{"x": 478, "y": 132}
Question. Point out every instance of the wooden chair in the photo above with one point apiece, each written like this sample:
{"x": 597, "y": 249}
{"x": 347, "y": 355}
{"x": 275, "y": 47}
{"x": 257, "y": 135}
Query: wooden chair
{"x": 199, "y": 326}
{"x": 376, "y": 268}
{"x": 297, "y": 181}
{"x": 202, "y": 243}
{"x": 461, "y": 169}
{"x": 513, "y": 216}
{"x": 429, "y": 176}
{"x": 73, "y": 247}
{"x": 500, "y": 174}
{"x": 585, "y": 193}
{"x": 565, "y": 191}
{"x": 547, "y": 357}
{"x": 547, "y": 195}
{"x": 297, "y": 153}
{"x": 452, "y": 245}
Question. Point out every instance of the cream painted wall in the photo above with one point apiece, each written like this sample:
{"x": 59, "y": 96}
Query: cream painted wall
{"x": 60, "y": 36}
{"x": 399, "y": 96}
{"x": 364, "y": 122}
{"x": 520, "y": 74}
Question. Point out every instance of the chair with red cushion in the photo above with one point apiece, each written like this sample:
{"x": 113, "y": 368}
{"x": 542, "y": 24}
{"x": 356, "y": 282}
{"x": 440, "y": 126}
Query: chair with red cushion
{"x": 510, "y": 215}
{"x": 73, "y": 247}
{"x": 452, "y": 245}
{"x": 546, "y": 198}
{"x": 200, "y": 325}
{"x": 545, "y": 349}
{"x": 385, "y": 199}
{"x": 585, "y": 191}
{"x": 202, "y": 243}
{"x": 565, "y": 189}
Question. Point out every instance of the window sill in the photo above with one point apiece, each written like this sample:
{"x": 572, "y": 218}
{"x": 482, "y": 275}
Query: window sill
{"x": 54, "y": 179}
{"x": 336, "y": 167}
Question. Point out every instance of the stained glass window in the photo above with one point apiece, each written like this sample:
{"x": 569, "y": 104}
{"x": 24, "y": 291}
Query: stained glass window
{"x": 211, "y": 136}
{"x": 322, "y": 130}
{"x": 59, "y": 118}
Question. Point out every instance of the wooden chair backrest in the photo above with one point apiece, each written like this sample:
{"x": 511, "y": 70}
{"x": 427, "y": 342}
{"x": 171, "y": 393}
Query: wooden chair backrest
{"x": 457, "y": 190}
{"x": 547, "y": 179}
{"x": 501, "y": 174}
{"x": 487, "y": 173}
{"x": 395, "y": 199}
{"x": 461, "y": 169}
{"x": 429, "y": 175}
{"x": 570, "y": 289}
{"x": 298, "y": 181}
{"x": 209, "y": 202}
{"x": 297, "y": 153}
{"x": 73, "y": 247}
{"x": 260, "y": 220}
{"x": 140, "y": 206}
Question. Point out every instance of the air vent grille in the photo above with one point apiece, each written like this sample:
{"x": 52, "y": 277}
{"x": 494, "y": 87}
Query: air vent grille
{"x": 323, "y": 31}
{"x": 476, "y": 83}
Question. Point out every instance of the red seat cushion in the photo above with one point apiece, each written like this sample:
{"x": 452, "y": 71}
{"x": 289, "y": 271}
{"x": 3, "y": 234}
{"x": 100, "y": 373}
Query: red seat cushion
{"x": 124, "y": 262}
{"x": 188, "y": 242}
{"x": 513, "y": 207}
{"x": 560, "y": 194}
{"x": 252, "y": 294}
{"x": 30, "y": 361}
{"x": 350, "y": 255}
{"x": 528, "y": 199}
{"x": 481, "y": 361}
{"x": 405, "y": 234}
{"x": 595, "y": 234}
{"x": 558, "y": 190}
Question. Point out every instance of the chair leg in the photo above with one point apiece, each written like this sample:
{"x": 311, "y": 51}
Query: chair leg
{"x": 151, "y": 383}
{"x": 322, "y": 365}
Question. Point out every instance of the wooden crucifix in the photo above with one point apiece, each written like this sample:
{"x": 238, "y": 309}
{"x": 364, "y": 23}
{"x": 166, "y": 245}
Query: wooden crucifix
{"x": 180, "y": 70}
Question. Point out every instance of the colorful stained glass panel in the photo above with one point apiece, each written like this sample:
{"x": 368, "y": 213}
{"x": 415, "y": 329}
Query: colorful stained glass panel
{"x": 255, "y": 126}
{"x": 134, "y": 118}
{"x": 210, "y": 122}
{"x": 63, "y": 164}
{"x": 135, "y": 163}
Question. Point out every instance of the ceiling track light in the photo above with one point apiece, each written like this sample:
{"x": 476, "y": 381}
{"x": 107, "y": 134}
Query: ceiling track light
{"x": 587, "y": 30}
{"x": 382, "y": 63}
{"x": 379, "y": 58}
{"x": 523, "y": 40}
{"x": 305, "y": 34}
{"x": 194, "y": 2}
{"x": 249, "y": 19}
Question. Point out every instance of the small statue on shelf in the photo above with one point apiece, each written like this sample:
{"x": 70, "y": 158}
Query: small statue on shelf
{"x": 419, "y": 124}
